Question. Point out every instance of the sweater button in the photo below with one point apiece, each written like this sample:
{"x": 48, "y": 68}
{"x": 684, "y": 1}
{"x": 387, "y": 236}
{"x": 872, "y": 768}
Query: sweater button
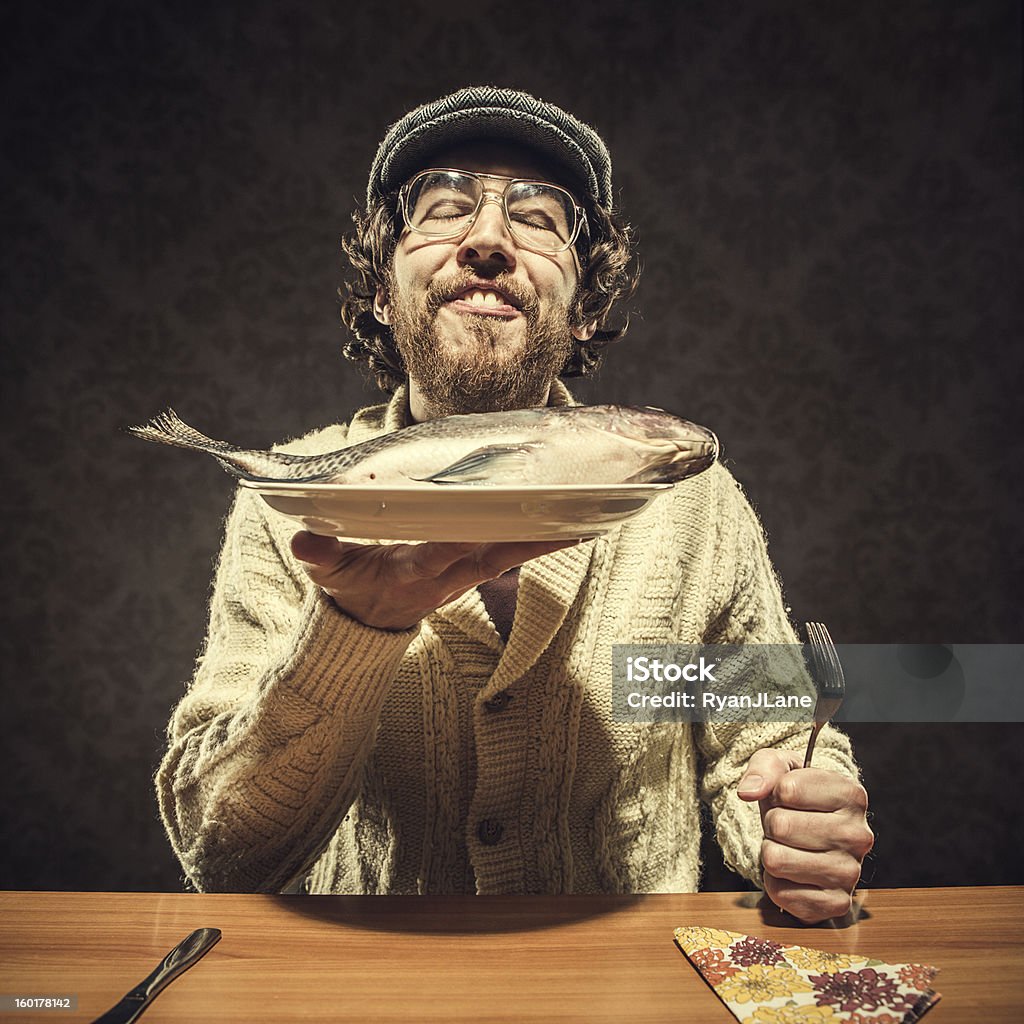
{"x": 489, "y": 832}
{"x": 499, "y": 701}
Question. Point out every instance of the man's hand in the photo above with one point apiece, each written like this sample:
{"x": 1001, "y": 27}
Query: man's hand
{"x": 394, "y": 586}
{"x": 815, "y": 833}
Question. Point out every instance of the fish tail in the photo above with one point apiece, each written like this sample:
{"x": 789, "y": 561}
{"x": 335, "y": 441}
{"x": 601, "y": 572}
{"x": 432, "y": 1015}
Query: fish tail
{"x": 169, "y": 428}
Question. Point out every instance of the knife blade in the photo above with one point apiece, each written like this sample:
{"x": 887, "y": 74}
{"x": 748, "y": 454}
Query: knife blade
{"x": 178, "y": 960}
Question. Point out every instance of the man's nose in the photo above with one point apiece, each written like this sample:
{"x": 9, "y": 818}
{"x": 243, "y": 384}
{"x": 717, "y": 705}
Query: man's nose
{"x": 488, "y": 245}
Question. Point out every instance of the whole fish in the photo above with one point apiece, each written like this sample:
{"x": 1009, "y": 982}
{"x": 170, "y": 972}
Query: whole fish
{"x": 595, "y": 444}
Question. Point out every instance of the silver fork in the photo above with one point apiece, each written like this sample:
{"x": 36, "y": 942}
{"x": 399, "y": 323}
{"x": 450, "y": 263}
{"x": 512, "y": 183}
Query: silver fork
{"x": 828, "y": 679}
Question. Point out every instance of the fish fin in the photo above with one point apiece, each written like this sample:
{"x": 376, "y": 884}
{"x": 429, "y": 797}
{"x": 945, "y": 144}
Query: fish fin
{"x": 169, "y": 428}
{"x": 508, "y": 460}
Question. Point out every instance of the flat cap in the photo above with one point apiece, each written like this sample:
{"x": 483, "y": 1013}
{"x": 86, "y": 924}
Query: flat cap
{"x": 487, "y": 112}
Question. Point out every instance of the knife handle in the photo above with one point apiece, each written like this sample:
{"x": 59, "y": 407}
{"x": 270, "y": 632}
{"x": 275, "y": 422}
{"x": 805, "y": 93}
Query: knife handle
{"x": 180, "y": 959}
{"x": 192, "y": 948}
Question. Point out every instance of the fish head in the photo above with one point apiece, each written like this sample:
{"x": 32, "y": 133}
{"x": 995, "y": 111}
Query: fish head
{"x": 668, "y": 447}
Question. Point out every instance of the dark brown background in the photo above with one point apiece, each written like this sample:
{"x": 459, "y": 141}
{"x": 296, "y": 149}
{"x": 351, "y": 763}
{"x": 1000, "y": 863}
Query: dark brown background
{"x": 828, "y": 204}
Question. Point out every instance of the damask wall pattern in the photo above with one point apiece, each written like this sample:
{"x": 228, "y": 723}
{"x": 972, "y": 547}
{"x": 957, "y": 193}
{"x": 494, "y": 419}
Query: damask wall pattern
{"x": 827, "y": 200}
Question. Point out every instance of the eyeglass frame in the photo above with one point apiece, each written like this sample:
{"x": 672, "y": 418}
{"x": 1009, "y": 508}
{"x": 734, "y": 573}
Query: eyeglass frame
{"x": 582, "y": 226}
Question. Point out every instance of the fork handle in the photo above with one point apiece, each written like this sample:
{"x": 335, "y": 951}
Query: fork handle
{"x": 816, "y": 728}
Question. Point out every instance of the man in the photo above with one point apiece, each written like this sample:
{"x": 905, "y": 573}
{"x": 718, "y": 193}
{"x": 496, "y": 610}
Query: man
{"x": 425, "y": 718}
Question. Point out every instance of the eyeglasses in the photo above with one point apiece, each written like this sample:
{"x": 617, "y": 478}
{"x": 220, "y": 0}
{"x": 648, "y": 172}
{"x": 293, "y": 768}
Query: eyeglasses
{"x": 444, "y": 203}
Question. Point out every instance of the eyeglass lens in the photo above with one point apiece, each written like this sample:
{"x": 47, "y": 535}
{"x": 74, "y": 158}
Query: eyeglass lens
{"x": 444, "y": 203}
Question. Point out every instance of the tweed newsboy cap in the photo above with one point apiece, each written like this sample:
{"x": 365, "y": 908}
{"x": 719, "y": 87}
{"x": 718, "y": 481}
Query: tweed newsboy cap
{"x": 487, "y": 112}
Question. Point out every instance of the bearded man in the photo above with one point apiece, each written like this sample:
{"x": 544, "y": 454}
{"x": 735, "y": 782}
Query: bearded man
{"x": 417, "y": 718}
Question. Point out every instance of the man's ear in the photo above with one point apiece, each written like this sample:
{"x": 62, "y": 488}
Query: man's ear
{"x": 585, "y": 331}
{"x": 381, "y": 306}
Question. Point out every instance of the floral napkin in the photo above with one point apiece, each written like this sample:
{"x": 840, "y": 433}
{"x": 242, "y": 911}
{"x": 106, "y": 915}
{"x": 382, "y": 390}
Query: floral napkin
{"x": 765, "y": 982}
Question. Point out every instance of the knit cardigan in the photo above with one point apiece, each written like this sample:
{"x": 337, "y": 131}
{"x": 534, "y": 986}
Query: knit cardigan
{"x": 313, "y": 751}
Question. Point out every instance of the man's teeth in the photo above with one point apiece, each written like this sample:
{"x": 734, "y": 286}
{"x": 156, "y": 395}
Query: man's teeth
{"x": 481, "y": 298}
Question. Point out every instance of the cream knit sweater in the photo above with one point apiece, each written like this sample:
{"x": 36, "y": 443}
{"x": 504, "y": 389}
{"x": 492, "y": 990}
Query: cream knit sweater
{"x": 311, "y": 746}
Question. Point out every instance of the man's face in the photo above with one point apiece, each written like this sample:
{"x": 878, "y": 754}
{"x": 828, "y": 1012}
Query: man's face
{"x": 467, "y": 355}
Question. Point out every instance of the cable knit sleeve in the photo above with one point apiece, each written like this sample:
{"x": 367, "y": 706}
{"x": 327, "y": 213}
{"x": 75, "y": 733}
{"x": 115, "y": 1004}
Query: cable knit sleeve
{"x": 754, "y": 612}
{"x": 265, "y": 749}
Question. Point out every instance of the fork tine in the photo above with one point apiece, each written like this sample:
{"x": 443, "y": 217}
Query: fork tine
{"x": 824, "y": 637}
{"x": 815, "y": 651}
{"x": 832, "y": 686}
{"x": 836, "y": 678}
{"x": 813, "y": 646}
{"x": 826, "y": 660}
{"x": 814, "y": 633}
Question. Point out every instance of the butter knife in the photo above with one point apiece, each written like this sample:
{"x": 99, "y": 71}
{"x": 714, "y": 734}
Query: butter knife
{"x": 179, "y": 960}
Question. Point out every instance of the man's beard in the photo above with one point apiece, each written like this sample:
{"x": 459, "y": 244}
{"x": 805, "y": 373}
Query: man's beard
{"x": 481, "y": 376}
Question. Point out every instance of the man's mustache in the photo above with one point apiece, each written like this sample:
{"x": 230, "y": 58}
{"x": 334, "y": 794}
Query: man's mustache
{"x": 444, "y": 289}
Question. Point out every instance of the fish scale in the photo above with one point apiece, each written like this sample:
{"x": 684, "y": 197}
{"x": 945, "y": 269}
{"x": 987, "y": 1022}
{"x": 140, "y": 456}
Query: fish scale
{"x": 573, "y": 444}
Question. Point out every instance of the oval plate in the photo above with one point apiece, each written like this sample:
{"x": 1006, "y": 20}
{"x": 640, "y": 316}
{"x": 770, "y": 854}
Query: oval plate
{"x": 458, "y": 512}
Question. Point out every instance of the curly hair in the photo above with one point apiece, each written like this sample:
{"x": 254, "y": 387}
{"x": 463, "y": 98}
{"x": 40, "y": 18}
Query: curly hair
{"x": 610, "y": 275}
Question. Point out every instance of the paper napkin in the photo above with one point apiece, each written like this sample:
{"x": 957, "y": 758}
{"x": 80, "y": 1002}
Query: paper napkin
{"x": 766, "y": 982}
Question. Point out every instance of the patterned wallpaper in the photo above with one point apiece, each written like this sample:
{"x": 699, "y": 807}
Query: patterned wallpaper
{"x": 828, "y": 203}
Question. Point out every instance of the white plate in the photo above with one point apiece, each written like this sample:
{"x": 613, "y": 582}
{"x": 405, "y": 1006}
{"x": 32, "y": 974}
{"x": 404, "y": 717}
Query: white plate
{"x": 459, "y": 512}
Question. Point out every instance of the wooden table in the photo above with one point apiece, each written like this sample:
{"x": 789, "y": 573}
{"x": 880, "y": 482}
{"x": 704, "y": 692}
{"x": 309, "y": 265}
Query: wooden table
{"x": 497, "y": 958}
